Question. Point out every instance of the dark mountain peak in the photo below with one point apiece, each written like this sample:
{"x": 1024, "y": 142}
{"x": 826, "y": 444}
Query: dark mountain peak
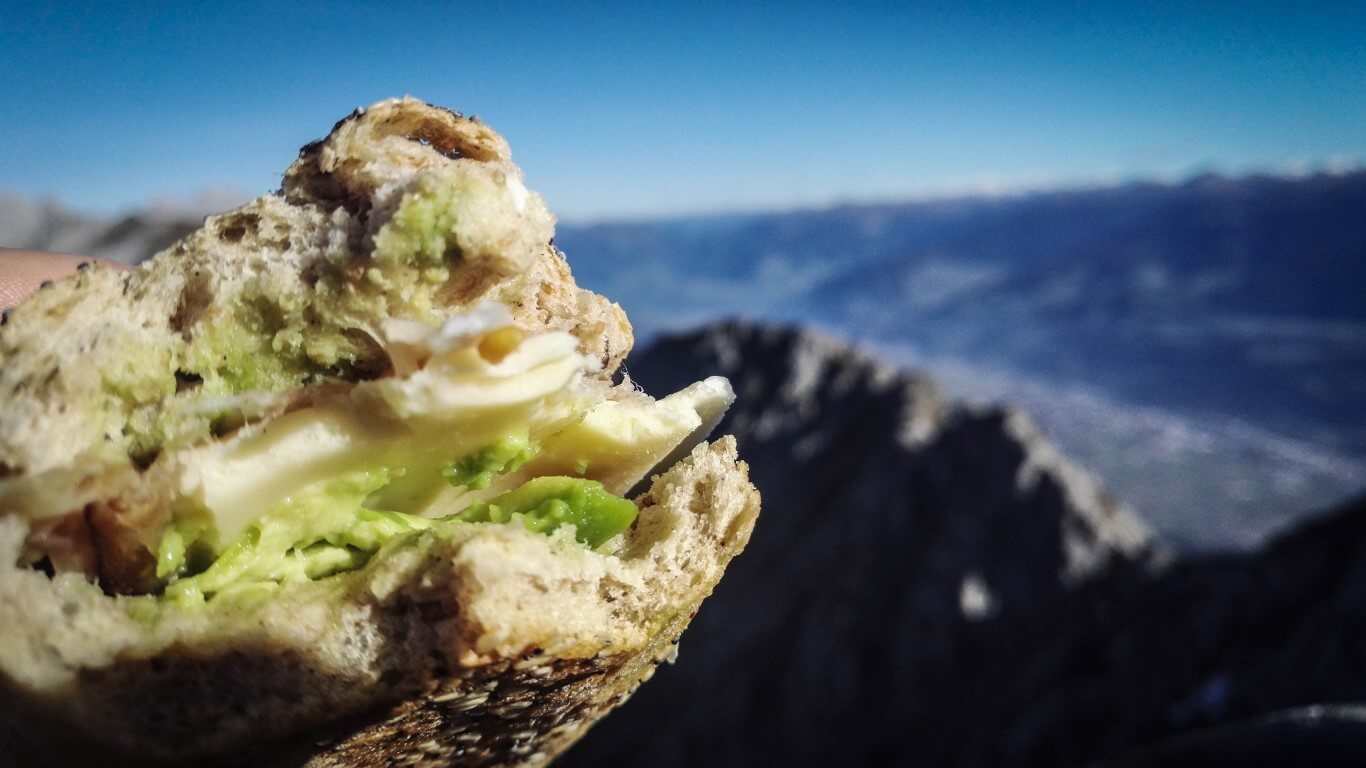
{"x": 790, "y": 381}
{"x": 888, "y": 444}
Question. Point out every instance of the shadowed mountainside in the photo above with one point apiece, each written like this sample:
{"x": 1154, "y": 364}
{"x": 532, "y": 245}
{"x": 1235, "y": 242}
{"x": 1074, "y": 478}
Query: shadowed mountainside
{"x": 933, "y": 585}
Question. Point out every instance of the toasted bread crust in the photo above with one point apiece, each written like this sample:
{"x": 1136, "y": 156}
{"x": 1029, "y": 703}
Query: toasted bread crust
{"x": 528, "y": 716}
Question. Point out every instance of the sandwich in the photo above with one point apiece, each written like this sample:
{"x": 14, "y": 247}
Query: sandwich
{"x": 350, "y": 476}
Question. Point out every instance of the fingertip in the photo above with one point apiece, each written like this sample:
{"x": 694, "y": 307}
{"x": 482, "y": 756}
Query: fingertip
{"x": 23, "y": 272}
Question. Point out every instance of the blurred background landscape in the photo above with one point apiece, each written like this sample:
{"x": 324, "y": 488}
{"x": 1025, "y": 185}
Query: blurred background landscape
{"x": 1047, "y": 324}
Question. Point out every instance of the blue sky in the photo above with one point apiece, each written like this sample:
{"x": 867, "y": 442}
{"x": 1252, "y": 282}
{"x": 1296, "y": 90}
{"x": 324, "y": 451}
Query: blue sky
{"x": 624, "y": 110}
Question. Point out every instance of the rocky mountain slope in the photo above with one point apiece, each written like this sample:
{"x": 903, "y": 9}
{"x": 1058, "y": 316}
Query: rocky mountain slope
{"x": 935, "y": 585}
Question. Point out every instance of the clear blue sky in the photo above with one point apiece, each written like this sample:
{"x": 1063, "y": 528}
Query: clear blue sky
{"x": 626, "y": 111}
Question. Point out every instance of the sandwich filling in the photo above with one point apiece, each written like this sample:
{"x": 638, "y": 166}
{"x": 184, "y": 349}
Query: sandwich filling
{"x": 299, "y": 415}
{"x": 482, "y": 422}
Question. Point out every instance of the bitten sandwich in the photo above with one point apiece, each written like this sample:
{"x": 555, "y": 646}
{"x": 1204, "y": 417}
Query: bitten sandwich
{"x": 347, "y": 477}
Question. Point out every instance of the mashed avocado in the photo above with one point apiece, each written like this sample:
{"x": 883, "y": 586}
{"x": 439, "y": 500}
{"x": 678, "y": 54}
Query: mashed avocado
{"x": 332, "y": 526}
{"x": 276, "y": 333}
{"x": 319, "y": 531}
{"x": 477, "y": 470}
{"x": 420, "y": 231}
{"x": 545, "y": 503}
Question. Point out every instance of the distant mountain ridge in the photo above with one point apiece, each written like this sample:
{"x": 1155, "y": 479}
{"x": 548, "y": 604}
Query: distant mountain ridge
{"x": 1220, "y": 282}
{"x": 1127, "y": 287}
{"x": 48, "y": 226}
{"x": 1215, "y": 325}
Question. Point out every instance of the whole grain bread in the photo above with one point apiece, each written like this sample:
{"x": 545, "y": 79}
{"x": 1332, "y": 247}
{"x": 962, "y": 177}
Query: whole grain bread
{"x": 91, "y": 362}
{"x": 494, "y": 646}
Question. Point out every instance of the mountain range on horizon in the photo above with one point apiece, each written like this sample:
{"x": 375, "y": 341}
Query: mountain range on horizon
{"x": 1200, "y": 345}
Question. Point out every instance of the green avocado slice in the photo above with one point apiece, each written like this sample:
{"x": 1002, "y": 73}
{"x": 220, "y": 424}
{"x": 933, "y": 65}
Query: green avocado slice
{"x": 330, "y": 528}
{"x": 543, "y": 504}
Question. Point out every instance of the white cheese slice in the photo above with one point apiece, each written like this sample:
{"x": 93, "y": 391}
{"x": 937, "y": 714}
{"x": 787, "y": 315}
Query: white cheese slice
{"x": 453, "y": 401}
{"x": 457, "y": 389}
{"x": 619, "y": 443}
